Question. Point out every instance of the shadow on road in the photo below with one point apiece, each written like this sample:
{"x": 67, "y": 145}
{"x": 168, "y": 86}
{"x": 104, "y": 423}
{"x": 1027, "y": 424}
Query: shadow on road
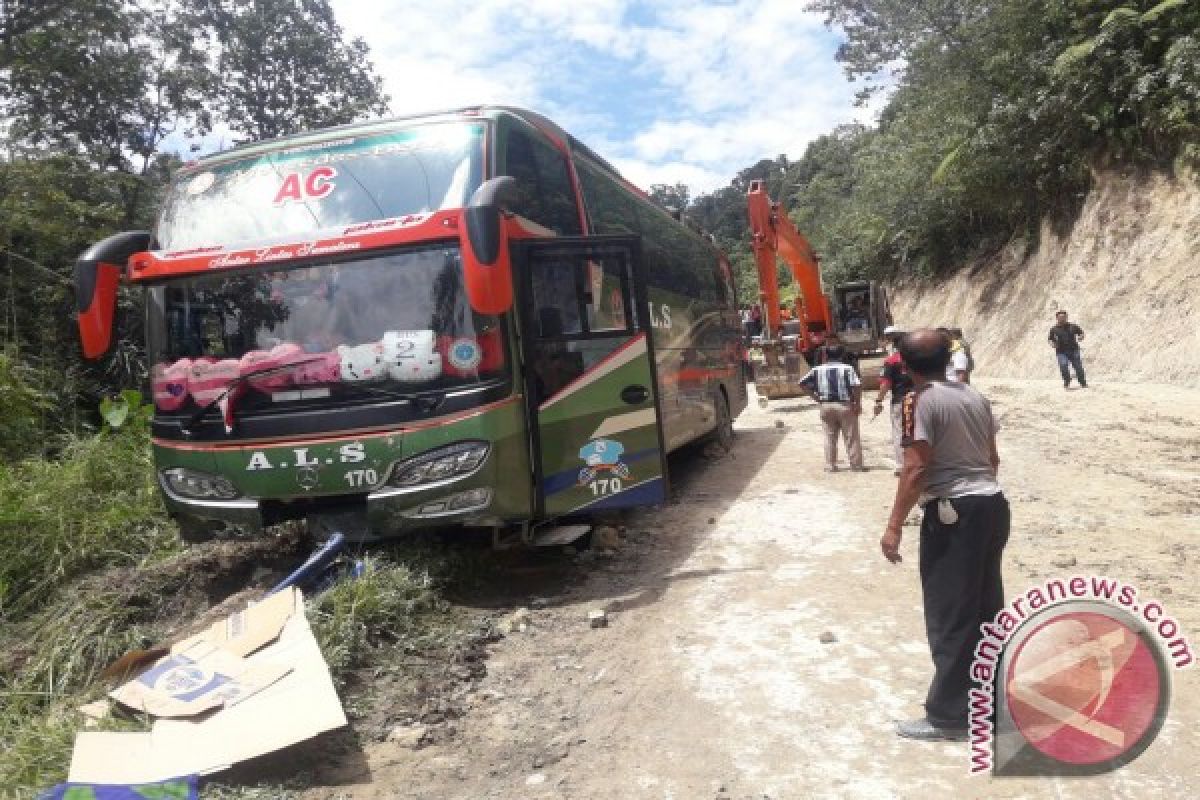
{"x": 648, "y": 556}
{"x": 795, "y": 409}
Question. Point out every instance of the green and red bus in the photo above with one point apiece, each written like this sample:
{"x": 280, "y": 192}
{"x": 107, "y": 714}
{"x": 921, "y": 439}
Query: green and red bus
{"x": 465, "y": 318}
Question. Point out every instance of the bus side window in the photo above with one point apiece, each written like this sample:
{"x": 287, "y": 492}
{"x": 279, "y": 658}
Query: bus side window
{"x": 543, "y": 191}
{"x": 556, "y": 301}
{"x": 608, "y": 296}
{"x": 609, "y": 207}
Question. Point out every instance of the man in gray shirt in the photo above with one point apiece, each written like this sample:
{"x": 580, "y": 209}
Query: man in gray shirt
{"x": 950, "y": 466}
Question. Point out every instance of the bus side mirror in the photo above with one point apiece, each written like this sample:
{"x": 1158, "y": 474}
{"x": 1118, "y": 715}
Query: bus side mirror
{"x": 97, "y": 273}
{"x": 486, "y": 261}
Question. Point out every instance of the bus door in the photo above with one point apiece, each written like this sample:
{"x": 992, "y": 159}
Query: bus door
{"x": 594, "y": 415}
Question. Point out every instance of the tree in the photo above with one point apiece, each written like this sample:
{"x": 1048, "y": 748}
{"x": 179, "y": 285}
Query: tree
{"x": 108, "y": 82}
{"x": 998, "y": 113}
{"x": 671, "y": 197}
{"x": 17, "y": 18}
{"x": 285, "y": 67}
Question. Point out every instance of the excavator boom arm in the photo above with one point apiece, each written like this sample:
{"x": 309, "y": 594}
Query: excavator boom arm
{"x": 775, "y": 237}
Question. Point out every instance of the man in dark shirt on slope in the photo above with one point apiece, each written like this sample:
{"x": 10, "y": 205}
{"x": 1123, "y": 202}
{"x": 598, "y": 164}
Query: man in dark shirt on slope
{"x": 950, "y": 466}
{"x": 1065, "y": 338}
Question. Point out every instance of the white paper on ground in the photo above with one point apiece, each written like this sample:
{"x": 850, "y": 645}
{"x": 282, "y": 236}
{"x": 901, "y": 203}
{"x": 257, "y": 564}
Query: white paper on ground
{"x": 297, "y": 707}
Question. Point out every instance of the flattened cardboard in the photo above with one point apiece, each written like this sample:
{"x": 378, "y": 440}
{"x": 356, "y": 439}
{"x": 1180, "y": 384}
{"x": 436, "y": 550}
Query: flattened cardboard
{"x": 119, "y": 757}
{"x": 199, "y": 679}
{"x": 297, "y": 707}
{"x": 208, "y": 670}
{"x": 245, "y": 631}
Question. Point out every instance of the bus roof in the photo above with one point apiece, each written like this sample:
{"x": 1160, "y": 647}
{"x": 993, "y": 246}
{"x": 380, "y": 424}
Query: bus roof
{"x": 370, "y": 126}
{"x": 536, "y": 120}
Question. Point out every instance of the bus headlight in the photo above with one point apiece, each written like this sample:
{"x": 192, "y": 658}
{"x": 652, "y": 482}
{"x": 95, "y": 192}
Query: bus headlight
{"x": 197, "y": 485}
{"x": 441, "y": 464}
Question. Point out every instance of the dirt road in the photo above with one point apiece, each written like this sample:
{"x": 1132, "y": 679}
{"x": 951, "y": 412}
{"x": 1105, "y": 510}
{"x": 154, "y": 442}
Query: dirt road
{"x": 712, "y": 679}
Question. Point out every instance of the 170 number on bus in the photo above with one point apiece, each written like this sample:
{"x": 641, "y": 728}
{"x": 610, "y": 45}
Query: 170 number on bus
{"x": 361, "y": 477}
{"x": 603, "y": 486}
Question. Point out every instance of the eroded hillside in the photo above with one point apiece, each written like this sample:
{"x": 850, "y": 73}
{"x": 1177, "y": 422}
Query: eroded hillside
{"x": 1128, "y": 272}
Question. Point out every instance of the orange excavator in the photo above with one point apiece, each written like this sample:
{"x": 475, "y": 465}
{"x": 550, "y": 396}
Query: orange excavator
{"x": 855, "y": 319}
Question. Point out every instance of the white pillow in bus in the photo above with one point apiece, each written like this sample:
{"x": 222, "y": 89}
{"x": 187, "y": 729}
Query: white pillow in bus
{"x": 362, "y": 362}
{"x": 411, "y": 355}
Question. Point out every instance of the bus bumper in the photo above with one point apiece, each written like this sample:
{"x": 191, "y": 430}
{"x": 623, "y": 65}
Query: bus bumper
{"x": 382, "y": 514}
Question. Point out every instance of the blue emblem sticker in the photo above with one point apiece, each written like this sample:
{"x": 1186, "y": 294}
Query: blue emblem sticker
{"x": 602, "y": 456}
{"x": 464, "y": 354}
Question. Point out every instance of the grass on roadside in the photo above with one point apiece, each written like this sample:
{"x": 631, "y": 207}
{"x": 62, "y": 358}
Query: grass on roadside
{"x": 52, "y": 659}
{"x": 94, "y": 506}
{"x": 90, "y": 568}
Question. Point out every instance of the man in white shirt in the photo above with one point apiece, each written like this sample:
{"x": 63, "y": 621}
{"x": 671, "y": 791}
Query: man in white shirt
{"x": 959, "y": 368}
{"x": 838, "y": 390}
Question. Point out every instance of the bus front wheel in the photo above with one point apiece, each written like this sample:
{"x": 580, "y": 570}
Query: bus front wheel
{"x": 197, "y": 531}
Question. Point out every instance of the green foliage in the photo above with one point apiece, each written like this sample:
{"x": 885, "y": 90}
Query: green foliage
{"x": 89, "y": 92}
{"x": 22, "y": 408}
{"x": 36, "y": 748}
{"x": 668, "y": 196}
{"x": 998, "y": 112}
{"x": 392, "y": 602}
{"x": 96, "y": 505}
{"x": 284, "y": 66}
{"x": 723, "y": 214}
{"x": 126, "y": 408}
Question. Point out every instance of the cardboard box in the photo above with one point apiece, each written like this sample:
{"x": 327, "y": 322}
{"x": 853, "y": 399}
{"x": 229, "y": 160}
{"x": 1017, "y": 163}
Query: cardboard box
{"x": 245, "y": 631}
{"x": 207, "y": 671}
{"x": 298, "y": 706}
{"x": 199, "y": 679}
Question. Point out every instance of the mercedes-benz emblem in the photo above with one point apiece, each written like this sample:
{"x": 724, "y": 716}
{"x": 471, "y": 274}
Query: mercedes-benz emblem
{"x": 308, "y": 478}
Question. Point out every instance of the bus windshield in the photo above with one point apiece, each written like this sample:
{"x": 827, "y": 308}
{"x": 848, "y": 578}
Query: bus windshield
{"x": 302, "y": 189}
{"x": 396, "y": 324}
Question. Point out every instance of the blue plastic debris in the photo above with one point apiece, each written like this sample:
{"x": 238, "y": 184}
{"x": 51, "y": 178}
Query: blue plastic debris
{"x": 316, "y": 564}
{"x": 174, "y": 789}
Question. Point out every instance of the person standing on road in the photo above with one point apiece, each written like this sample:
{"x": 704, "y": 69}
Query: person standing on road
{"x": 958, "y": 370}
{"x": 1065, "y": 338}
{"x": 838, "y": 390}
{"x": 950, "y": 468}
{"x": 894, "y": 378}
{"x": 756, "y": 320}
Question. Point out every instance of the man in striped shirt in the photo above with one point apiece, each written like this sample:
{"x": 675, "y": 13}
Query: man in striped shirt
{"x": 837, "y": 389}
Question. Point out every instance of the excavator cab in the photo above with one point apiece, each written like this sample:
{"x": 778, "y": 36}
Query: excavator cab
{"x": 860, "y": 313}
{"x": 856, "y": 313}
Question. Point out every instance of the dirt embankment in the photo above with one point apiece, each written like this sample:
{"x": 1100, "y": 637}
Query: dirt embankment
{"x": 1128, "y": 273}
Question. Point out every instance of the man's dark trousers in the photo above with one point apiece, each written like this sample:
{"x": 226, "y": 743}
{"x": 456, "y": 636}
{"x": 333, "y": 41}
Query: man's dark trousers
{"x": 962, "y": 589}
{"x": 1074, "y": 359}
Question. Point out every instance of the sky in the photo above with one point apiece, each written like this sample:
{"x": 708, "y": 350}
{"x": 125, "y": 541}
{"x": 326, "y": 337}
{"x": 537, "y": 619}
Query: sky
{"x": 668, "y": 91}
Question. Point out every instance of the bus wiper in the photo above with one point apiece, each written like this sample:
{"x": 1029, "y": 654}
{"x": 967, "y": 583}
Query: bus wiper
{"x": 186, "y": 428}
{"x": 425, "y": 402}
